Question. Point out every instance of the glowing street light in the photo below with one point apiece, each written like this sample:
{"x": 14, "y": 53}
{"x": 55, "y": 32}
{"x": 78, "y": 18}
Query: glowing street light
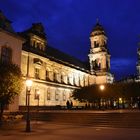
{"x": 28, "y": 87}
{"x": 102, "y": 87}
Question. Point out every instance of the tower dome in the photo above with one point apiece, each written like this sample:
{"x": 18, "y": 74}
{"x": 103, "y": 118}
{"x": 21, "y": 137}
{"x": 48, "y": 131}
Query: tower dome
{"x": 97, "y": 30}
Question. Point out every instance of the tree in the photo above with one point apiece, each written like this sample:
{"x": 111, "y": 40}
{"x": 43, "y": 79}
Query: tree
{"x": 112, "y": 92}
{"x": 10, "y": 84}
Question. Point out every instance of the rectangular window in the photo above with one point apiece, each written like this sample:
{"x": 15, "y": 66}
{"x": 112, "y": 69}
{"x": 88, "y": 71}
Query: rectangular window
{"x": 55, "y": 77}
{"x": 48, "y": 96}
{"x": 6, "y": 54}
{"x": 47, "y": 76}
{"x": 56, "y": 96}
{"x": 37, "y": 73}
{"x": 36, "y": 97}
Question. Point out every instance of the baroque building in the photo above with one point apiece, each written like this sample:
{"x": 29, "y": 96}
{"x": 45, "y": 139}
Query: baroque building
{"x": 55, "y": 74}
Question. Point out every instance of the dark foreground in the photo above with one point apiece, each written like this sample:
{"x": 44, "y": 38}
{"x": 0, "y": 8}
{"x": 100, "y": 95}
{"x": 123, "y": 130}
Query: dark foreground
{"x": 51, "y": 131}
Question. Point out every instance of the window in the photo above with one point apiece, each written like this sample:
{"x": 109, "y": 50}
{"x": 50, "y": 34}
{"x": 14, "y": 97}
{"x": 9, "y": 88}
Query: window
{"x": 36, "y": 97}
{"x": 37, "y": 73}
{"x": 47, "y": 75}
{"x": 6, "y": 55}
{"x": 48, "y": 94}
{"x": 64, "y": 96}
{"x": 63, "y": 78}
{"x": 56, "y": 95}
{"x": 68, "y": 79}
{"x": 55, "y": 76}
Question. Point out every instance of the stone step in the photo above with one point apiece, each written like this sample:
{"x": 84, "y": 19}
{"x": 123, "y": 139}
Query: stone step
{"x": 124, "y": 120}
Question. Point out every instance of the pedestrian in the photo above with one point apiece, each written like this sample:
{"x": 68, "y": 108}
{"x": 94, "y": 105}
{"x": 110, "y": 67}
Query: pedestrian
{"x": 68, "y": 104}
{"x": 71, "y": 105}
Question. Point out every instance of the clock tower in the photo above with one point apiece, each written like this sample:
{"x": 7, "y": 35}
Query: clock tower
{"x": 99, "y": 57}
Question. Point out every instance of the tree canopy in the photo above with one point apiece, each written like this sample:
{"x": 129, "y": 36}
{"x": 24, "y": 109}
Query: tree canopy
{"x": 10, "y": 83}
{"x": 115, "y": 90}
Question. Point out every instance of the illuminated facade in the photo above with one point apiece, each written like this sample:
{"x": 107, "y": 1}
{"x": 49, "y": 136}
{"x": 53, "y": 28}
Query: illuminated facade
{"x": 55, "y": 74}
{"x": 99, "y": 57}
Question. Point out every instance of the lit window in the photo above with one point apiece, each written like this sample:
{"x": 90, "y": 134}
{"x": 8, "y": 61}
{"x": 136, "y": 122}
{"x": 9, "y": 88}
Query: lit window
{"x": 62, "y": 78}
{"x": 47, "y": 75}
{"x": 68, "y": 79}
{"x": 6, "y": 55}
{"x": 37, "y": 73}
{"x": 55, "y": 76}
{"x": 48, "y": 94}
{"x": 56, "y": 96}
{"x": 36, "y": 97}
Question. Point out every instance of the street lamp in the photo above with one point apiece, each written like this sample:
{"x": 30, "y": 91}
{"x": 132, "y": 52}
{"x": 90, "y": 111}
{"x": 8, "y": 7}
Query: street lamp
{"x": 38, "y": 97}
{"x": 28, "y": 89}
{"x": 102, "y": 87}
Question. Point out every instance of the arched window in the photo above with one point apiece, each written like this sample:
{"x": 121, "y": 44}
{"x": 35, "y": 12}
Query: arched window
{"x": 6, "y": 54}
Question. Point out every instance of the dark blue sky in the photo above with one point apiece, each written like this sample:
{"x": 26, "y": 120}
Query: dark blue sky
{"x": 68, "y": 24}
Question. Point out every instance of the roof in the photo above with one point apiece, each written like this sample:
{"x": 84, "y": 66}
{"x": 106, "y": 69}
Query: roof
{"x": 37, "y": 29}
{"x": 50, "y": 52}
{"x": 97, "y": 29}
{"x": 60, "y": 57}
{"x": 65, "y": 57}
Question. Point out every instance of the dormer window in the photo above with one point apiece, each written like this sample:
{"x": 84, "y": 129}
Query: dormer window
{"x": 37, "y": 42}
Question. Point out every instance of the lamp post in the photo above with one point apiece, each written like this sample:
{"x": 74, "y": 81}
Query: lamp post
{"x": 38, "y": 97}
{"x": 28, "y": 87}
{"x": 102, "y": 87}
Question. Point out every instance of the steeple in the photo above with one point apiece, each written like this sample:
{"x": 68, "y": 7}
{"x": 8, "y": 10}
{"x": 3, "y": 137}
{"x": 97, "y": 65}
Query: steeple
{"x": 99, "y": 56}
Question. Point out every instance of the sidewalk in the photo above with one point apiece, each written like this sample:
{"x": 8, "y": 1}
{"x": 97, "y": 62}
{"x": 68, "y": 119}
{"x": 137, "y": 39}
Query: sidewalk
{"x": 95, "y": 111}
{"x": 48, "y": 131}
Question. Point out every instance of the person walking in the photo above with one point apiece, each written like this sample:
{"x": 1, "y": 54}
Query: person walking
{"x": 68, "y": 104}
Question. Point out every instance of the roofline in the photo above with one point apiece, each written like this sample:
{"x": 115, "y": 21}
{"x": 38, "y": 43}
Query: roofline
{"x": 60, "y": 61}
{"x": 13, "y": 34}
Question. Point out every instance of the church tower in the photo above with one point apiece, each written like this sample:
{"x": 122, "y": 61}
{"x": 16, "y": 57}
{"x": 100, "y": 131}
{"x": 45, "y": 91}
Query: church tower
{"x": 99, "y": 57}
{"x": 138, "y": 63}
